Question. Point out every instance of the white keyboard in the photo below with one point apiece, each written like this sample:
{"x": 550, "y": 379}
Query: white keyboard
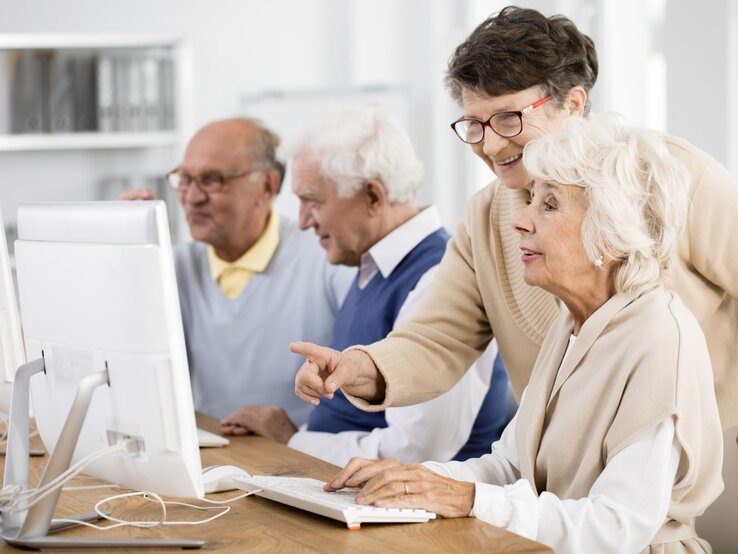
{"x": 308, "y": 494}
{"x": 207, "y": 439}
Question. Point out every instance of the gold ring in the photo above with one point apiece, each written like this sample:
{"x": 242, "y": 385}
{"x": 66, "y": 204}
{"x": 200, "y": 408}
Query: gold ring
{"x": 407, "y": 492}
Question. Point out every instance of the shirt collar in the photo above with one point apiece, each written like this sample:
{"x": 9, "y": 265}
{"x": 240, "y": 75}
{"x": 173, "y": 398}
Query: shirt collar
{"x": 256, "y": 258}
{"x": 388, "y": 252}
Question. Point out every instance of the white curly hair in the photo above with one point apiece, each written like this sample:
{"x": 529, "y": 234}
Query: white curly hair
{"x": 637, "y": 193}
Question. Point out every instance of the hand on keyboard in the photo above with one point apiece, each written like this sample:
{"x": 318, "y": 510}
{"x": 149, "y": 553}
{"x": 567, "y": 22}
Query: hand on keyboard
{"x": 388, "y": 484}
{"x": 309, "y": 494}
{"x": 358, "y": 471}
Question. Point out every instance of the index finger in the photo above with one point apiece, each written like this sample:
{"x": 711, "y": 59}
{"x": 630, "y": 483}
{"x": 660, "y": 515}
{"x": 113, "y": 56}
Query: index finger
{"x": 339, "y": 481}
{"x": 319, "y": 355}
{"x": 359, "y": 471}
{"x": 309, "y": 384}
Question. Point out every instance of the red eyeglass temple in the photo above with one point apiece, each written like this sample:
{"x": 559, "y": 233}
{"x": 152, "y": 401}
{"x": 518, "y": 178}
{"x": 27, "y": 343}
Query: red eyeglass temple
{"x": 535, "y": 104}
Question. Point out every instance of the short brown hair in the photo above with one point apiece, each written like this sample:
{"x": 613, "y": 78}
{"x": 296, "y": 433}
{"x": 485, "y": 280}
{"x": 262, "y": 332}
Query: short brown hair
{"x": 520, "y": 48}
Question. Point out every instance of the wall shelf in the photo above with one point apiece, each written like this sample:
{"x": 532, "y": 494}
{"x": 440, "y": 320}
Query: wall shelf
{"x": 56, "y": 41}
{"x": 92, "y": 140}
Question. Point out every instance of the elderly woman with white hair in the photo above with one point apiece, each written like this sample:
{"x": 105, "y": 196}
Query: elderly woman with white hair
{"x": 617, "y": 442}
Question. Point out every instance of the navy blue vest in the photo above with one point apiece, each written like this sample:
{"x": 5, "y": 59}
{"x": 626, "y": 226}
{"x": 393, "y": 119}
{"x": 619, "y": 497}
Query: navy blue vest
{"x": 369, "y": 315}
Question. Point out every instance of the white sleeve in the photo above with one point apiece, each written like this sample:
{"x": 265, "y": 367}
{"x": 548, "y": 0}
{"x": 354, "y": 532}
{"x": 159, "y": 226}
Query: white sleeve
{"x": 624, "y": 509}
{"x": 499, "y": 467}
{"x": 414, "y": 433}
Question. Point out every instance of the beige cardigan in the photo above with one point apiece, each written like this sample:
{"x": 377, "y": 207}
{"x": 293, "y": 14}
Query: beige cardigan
{"x": 577, "y": 417}
{"x": 479, "y": 293}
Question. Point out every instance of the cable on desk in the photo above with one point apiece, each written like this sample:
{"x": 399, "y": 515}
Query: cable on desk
{"x": 229, "y": 500}
{"x": 13, "y": 495}
{"x": 153, "y": 497}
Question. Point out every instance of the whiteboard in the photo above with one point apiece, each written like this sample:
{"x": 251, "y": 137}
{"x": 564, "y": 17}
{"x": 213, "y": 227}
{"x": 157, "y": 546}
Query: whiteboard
{"x": 288, "y": 112}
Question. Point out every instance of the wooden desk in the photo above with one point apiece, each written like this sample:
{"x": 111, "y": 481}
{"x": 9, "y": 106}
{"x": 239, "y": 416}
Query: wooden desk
{"x": 259, "y": 525}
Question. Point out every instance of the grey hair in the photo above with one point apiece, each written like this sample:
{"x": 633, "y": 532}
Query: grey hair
{"x": 637, "y": 193}
{"x": 264, "y": 147}
{"x": 353, "y": 145}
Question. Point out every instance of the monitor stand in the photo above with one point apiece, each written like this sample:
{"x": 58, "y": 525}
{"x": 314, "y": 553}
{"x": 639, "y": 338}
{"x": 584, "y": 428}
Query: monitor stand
{"x": 32, "y": 531}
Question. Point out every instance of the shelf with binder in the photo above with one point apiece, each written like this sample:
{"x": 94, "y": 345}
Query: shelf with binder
{"x": 84, "y": 115}
{"x": 66, "y": 91}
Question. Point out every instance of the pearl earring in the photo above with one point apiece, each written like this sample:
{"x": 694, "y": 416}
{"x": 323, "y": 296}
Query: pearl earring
{"x": 599, "y": 261}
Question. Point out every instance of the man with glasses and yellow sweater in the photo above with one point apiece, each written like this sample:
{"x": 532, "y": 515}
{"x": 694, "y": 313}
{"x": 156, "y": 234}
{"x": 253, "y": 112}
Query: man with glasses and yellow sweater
{"x": 250, "y": 282}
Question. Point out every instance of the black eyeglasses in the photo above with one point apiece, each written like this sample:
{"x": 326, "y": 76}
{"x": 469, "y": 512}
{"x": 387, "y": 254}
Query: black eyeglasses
{"x": 505, "y": 124}
{"x": 209, "y": 182}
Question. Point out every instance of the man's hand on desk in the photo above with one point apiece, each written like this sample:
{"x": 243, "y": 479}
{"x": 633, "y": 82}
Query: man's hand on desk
{"x": 271, "y": 422}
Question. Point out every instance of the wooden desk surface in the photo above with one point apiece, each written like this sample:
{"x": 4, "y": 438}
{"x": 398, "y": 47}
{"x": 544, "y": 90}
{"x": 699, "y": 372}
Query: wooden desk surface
{"x": 259, "y": 525}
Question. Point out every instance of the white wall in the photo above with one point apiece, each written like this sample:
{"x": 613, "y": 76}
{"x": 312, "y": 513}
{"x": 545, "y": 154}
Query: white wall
{"x": 696, "y": 48}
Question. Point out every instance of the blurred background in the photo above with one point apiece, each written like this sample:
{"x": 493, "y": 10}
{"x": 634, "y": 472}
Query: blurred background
{"x": 99, "y": 96}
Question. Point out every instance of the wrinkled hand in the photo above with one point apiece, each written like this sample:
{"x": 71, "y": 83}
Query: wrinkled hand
{"x": 271, "y": 422}
{"x": 138, "y": 194}
{"x": 388, "y": 484}
{"x": 358, "y": 471}
{"x": 326, "y": 370}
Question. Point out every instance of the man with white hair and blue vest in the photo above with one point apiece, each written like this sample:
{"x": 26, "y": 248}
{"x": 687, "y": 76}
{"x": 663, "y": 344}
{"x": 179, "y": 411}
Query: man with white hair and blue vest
{"x": 356, "y": 175}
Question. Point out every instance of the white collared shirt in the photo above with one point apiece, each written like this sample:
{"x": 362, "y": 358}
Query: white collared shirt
{"x": 388, "y": 252}
{"x": 423, "y": 431}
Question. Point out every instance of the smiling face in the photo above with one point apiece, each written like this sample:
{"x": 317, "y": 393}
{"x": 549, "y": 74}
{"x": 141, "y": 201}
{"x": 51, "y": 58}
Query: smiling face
{"x": 344, "y": 225}
{"x": 504, "y": 155}
{"x": 550, "y": 229}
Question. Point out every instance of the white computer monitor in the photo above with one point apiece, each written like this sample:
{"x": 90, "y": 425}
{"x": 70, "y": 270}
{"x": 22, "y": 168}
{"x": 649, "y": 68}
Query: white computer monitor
{"x": 98, "y": 293}
{"x": 12, "y": 354}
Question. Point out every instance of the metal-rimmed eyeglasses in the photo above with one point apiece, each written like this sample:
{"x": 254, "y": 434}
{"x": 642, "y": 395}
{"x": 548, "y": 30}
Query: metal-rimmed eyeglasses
{"x": 505, "y": 124}
{"x": 209, "y": 182}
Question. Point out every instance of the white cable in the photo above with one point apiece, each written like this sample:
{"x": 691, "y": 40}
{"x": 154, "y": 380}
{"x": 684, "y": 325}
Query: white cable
{"x": 223, "y": 511}
{"x": 13, "y": 495}
{"x": 153, "y": 497}
{"x": 229, "y": 500}
{"x": 4, "y": 436}
{"x": 73, "y": 471}
{"x": 118, "y": 522}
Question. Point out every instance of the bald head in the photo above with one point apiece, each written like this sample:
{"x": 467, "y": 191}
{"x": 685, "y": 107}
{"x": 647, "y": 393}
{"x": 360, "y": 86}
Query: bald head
{"x": 236, "y": 141}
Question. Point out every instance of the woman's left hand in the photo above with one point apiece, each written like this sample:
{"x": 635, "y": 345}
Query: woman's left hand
{"x": 416, "y": 486}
